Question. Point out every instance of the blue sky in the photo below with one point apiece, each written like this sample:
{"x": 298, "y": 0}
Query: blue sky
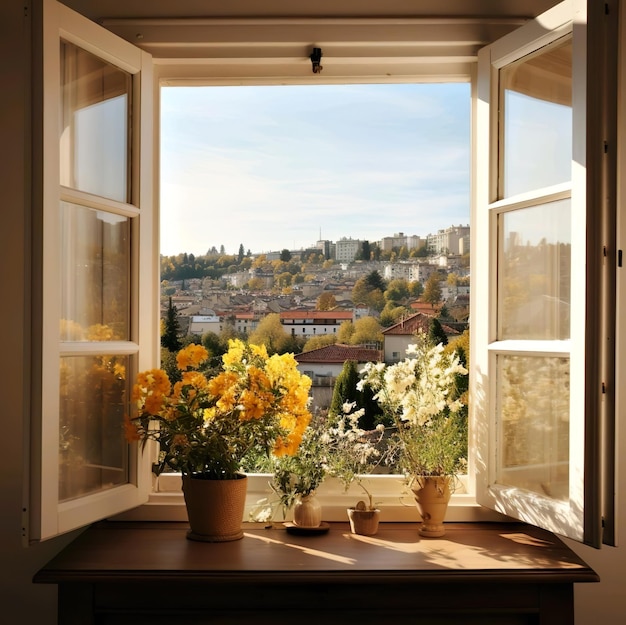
{"x": 269, "y": 166}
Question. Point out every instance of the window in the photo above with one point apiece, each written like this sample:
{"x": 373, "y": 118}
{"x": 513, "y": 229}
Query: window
{"x": 94, "y": 198}
{"x": 503, "y": 212}
{"x": 535, "y": 378}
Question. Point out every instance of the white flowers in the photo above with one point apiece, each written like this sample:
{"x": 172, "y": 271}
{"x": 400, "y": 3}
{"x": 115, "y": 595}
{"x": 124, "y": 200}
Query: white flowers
{"x": 422, "y": 397}
{"x": 419, "y": 387}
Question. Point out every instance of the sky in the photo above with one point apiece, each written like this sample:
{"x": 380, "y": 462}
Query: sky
{"x": 272, "y": 167}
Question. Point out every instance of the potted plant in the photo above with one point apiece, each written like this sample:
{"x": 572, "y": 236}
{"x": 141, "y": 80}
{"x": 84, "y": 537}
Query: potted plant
{"x": 425, "y": 396}
{"x": 353, "y": 453}
{"x": 206, "y": 425}
{"x": 297, "y": 476}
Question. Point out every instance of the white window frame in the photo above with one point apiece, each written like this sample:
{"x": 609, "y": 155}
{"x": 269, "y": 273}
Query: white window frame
{"x": 240, "y": 52}
{"x": 390, "y": 491}
{"x": 592, "y": 357}
{"x": 47, "y": 515}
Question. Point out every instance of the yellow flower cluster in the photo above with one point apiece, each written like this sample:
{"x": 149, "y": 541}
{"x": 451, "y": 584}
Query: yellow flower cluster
{"x": 254, "y": 399}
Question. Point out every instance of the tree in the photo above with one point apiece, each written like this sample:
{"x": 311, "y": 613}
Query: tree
{"x": 346, "y": 391}
{"x": 435, "y": 332}
{"x": 415, "y": 289}
{"x": 365, "y": 250}
{"x": 241, "y": 253}
{"x": 366, "y": 330}
{"x": 345, "y": 332}
{"x": 171, "y": 330}
{"x": 285, "y": 255}
{"x": 375, "y": 281}
{"x": 270, "y": 332}
{"x": 326, "y": 301}
{"x": 397, "y": 291}
{"x": 345, "y": 387}
{"x": 320, "y": 340}
{"x": 432, "y": 290}
{"x": 393, "y": 314}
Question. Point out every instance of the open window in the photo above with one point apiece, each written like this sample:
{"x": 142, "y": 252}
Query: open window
{"x": 93, "y": 270}
{"x": 541, "y": 386}
{"x": 539, "y": 378}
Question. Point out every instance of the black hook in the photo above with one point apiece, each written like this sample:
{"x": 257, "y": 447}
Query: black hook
{"x": 316, "y": 59}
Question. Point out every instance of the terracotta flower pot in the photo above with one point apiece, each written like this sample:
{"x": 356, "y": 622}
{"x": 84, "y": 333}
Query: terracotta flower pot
{"x": 364, "y": 522}
{"x": 215, "y": 507}
{"x": 432, "y": 495}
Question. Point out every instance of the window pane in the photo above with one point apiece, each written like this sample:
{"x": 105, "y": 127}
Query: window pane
{"x": 534, "y": 272}
{"x": 536, "y": 100}
{"x": 93, "y": 453}
{"x": 95, "y": 124}
{"x": 533, "y": 424}
{"x": 95, "y": 286}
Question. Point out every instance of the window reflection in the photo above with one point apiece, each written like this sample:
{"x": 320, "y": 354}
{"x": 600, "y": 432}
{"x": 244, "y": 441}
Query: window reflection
{"x": 95, "y": 286}
{"x": 93, "y": 400}
{"x": 534, "y": 272}
{"x": 533, "y": 424}
{"x": 536, "y": 100}
{"x": 95, "y": 125}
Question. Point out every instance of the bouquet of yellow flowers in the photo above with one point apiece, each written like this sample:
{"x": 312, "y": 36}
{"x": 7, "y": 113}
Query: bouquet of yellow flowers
{"x": 207, "y": 425}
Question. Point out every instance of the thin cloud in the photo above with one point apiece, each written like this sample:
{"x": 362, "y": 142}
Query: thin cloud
{"x": 269, "y": 166}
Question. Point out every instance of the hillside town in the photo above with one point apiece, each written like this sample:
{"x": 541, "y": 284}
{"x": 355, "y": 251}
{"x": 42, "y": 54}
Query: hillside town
{"x": 293, "y": 284}
{"x": 343, "y": 300}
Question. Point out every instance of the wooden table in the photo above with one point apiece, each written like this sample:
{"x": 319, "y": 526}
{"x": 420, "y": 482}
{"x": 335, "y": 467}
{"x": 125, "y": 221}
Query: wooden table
{"x": 479, "y": 573}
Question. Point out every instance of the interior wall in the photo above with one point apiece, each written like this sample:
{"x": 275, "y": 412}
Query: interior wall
{"x": 22, "y": 602}
{"x": 606, "y": 602}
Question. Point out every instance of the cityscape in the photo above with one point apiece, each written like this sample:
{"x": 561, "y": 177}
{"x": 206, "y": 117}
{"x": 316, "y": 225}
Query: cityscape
{"x": 313, "y": 291}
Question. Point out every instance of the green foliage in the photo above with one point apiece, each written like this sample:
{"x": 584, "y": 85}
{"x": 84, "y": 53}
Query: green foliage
{"x": 397, "y": 291}
{"x": 270, "y": 332}
{"x": 375, "y": 281}
{"x": 432, "y": 290}
{"x": 170, "y": 337}
{"x": 392, "y": 314}
{"x": 285, "y": 255}
{"x": 345, "y": 390}
{"x": 366, "y": 330}
{"x": 321, "y": 340}
{"x": 300, "y": 474}
{"x": 436, "y": 334}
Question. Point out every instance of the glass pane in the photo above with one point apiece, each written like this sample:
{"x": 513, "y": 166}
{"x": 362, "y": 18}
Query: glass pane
{"x": 533, "y": 424}
{"x": 536, "y": 100}
{"x": 534, "y": 272}
{"x": 95, "y": 248}
{"x": 95, "y": 125}
{"x": 93, "y": 453}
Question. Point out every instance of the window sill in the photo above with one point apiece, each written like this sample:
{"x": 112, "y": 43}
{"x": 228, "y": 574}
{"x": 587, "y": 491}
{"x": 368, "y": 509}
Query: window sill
{"x": 166, "y": 502}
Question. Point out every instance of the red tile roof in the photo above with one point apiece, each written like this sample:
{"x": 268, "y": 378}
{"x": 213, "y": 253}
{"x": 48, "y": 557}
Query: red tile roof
{"x": 414, "y": 323}
{"x": 317, "y": 314}
{"x": 340, "y": 353}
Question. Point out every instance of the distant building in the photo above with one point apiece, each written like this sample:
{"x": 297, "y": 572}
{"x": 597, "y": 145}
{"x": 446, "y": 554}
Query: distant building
{"x": 452, "y": 240}
{"x": 308, "y": 323}
{"x": 399, "y": 336}
{"x": 200, "y": 324}
{"x": 347, "y": 250}
{"x": 399, "y": 239}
